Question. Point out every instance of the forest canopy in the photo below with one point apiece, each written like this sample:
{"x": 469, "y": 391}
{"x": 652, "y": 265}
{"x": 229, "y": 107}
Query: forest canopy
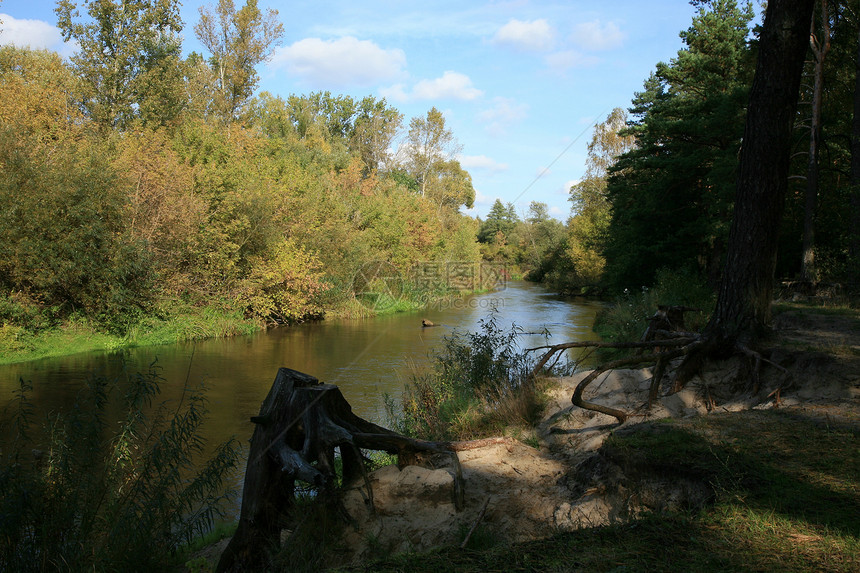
{"x": 658, "y": 192}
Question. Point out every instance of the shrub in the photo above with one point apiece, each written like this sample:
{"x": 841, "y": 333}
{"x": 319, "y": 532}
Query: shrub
{"x": 480, "y": 383}
{"x": 93, "y": 499}
{"x": 627, "y": 319}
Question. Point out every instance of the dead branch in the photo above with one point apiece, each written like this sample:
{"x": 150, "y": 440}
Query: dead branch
{"x": 552, "y": 349}
{"x": 619, "y": 414}
{"x": 475, "y": 525}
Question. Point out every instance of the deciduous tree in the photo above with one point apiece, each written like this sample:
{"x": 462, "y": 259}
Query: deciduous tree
{"x": 128, "y": 57}
{"x": 238, "y": 41}
{"x": 428, "y": 143}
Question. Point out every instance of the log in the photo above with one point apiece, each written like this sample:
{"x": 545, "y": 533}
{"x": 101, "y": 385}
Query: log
{"x": 301, "y": 424}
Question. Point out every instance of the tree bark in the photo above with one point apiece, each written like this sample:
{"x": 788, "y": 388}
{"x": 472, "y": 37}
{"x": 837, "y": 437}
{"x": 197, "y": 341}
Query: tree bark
{"x": 820, "y": 47}
{"x": 854, "y": 240}
{"x": 746, "y": 288}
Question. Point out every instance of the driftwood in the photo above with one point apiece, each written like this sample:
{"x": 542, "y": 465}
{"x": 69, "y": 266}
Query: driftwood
{"x": 301, "y": 422}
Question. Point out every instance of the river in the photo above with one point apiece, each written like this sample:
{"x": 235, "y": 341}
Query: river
{"x": 366, "y": 358}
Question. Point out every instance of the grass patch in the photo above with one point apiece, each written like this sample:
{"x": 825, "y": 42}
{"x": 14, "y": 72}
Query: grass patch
{"x": 816, "y": 308}
{"x": 786, "y": 498}
{"x": 179, "y": 323}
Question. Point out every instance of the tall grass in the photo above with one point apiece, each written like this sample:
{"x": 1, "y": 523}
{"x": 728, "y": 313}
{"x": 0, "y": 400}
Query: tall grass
{"x": 177, "y": 323}
{"x": 98, "y": 495}
{"x": 478, "y": 384}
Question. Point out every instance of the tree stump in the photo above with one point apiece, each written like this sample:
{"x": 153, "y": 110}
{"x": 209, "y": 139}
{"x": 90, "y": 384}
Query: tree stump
{"x": 301, "y": 422}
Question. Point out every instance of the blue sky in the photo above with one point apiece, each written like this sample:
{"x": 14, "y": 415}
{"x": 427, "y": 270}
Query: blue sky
{"x": 520, "y": 82}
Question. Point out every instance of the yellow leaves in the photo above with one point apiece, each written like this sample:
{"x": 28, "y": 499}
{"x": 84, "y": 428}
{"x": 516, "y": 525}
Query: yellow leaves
{"x": 588, "y": 263}
{"x": 284, "y": 286}
{"x": 37, "y": 94}
{"x": 163, "y": 208}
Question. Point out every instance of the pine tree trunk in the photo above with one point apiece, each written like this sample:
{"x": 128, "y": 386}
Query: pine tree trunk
{"x": 746, "y": 288}
{"x": 820, "y": 47}
{"x": 855, "y": 175}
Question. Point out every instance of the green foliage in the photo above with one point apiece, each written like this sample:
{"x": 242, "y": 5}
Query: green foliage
{"x": 276, "y": 217}
{"x": 63, "y": 240}
{"x": 479, "y": 384}
{"x": 671, "y": 197}
{"x": 128, "y": 58}
{"x": 238, "y": 41}
{"x": 579, "y": 262}
{"x": 627, "y": 318}
{"x": 38, "y": 82}
{"x": 501, "y": 219}
{"x": 103, "y": 497}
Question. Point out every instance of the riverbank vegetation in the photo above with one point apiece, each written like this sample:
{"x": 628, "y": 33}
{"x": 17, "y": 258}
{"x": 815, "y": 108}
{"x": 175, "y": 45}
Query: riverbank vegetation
{"x": 478, "y": 384}
{"x": 141, "y": 190}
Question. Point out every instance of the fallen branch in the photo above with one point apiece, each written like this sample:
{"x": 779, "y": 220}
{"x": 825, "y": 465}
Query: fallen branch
{"x": 552, "y": 349}
{"x": 620, "y": 415}
{"x": 475, "y": 525}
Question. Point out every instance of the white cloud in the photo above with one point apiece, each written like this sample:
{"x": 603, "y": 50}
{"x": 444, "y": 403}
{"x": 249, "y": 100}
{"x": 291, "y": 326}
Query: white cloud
{"x": 562, "y": 61}
{"x": 504, "y": 113}
{"x": 556, "y": 212}
{"x": 35, "y": 34}
{"x": 594, "y": 36}
{"x": 346, "y": 61}
{"x": 451, "y": 85}
{"x": 532, "y": 36}
{"x": 482, "y": 162}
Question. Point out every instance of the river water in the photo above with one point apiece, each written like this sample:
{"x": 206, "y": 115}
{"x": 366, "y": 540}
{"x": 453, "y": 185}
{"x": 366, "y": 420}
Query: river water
{"x": 366, "y": 358}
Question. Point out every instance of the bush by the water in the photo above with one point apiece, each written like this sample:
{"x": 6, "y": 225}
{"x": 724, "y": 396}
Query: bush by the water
{"x": 478, "y": 384}
{"x": 80, "y": 493}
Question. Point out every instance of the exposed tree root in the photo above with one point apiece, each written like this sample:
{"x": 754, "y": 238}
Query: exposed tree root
{"x": 301, "y": 424}
{"x": 678, "y": 347}
{"x": 665, "y": 345}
